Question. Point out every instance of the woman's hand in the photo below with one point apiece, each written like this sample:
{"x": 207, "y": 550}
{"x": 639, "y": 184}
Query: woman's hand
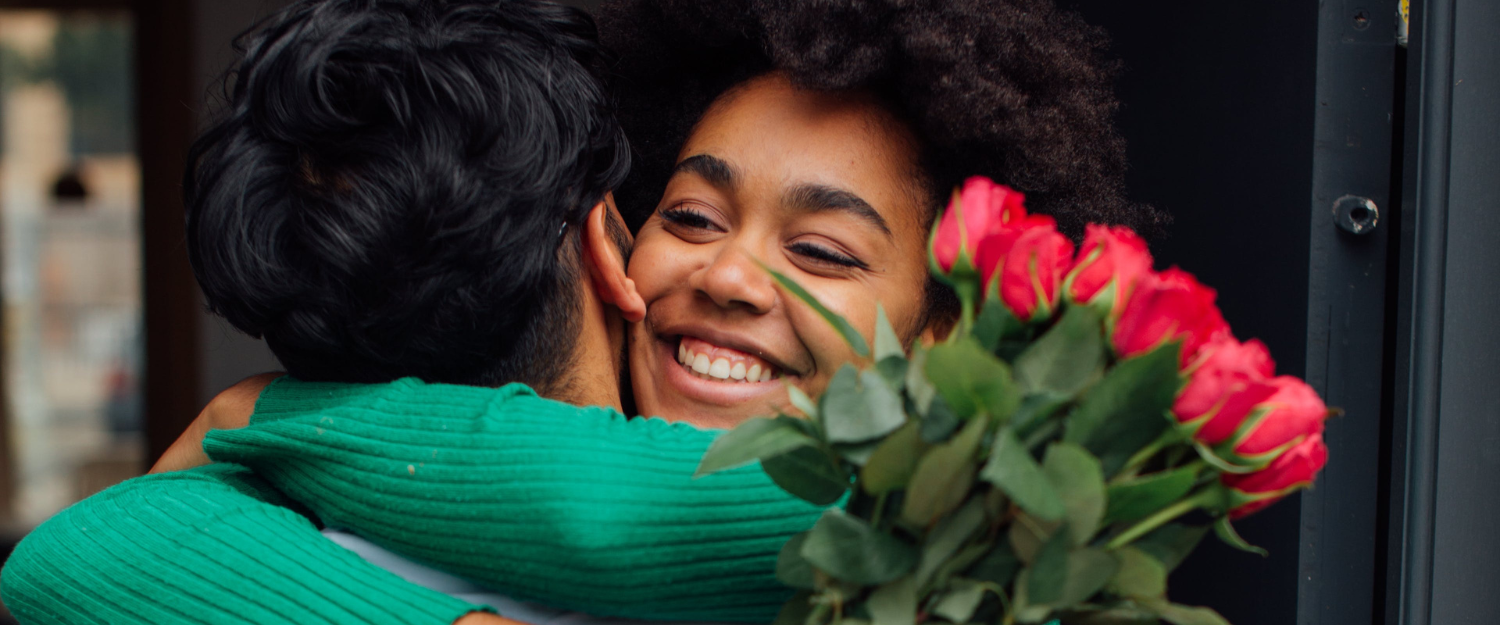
{"x": 228, "y": 410}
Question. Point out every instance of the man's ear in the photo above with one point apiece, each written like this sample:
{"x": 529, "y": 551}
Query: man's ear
{"x": 606, "y": 262}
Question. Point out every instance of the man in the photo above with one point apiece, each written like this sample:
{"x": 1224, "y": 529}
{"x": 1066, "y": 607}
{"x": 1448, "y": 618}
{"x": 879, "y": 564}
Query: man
{"x": 403, "y": 189}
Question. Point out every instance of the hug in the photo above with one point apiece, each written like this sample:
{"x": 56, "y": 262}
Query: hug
{"x": 482, "y": 235}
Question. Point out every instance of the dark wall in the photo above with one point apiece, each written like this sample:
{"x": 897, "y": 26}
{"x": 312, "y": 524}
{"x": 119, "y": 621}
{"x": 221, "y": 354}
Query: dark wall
{"x": 1218, "y": 112}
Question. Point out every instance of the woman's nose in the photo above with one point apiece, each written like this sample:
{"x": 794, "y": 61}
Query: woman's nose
{"x": 734, "y": 280}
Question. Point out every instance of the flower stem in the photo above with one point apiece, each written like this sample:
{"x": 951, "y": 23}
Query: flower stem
{"x": 1162, "y": 517}
{"x": 1143, "y": 456}
{"x": 965, "y": 292}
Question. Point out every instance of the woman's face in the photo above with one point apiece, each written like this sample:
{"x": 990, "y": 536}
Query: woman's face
{"x": 818, "y": 186}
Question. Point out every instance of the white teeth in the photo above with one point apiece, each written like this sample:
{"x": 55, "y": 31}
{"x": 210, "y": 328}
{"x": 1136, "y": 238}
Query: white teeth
{"x": 720, "y": 369}
{"x": 753, "y": 374}
{"x": 738, "y": 371}
{"x": 700, "y": 363}
{"x": 682, "y": 353}
{"x": 765, "y": 376}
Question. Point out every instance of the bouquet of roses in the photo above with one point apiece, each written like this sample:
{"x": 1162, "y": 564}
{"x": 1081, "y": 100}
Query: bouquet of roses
{"x": 1035, "y": 465}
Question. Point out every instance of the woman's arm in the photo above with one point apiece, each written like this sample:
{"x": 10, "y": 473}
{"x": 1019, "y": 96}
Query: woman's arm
{"x": 578, "y": 508}
{"x": 204, "y": 546}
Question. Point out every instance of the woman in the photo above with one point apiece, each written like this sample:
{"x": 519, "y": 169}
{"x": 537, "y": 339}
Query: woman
{"x": 823, "y": 154}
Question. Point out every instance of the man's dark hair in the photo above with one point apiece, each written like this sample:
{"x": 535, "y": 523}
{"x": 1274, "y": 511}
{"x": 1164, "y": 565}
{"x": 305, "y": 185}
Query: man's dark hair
{"x": 1015, "y": 90}
{"x": 390, "y": 183}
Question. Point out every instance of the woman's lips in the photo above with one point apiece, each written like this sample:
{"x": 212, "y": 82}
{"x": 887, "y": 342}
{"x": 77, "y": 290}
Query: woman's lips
{"x": 708, "y": 388}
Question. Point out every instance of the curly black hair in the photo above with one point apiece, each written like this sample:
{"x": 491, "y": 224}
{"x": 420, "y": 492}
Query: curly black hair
{"x": 383, "y": 193}
{"x": 1015, "y": 90}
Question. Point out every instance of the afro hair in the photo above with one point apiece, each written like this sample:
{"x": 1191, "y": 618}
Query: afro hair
{"x": 1015, "y": 90}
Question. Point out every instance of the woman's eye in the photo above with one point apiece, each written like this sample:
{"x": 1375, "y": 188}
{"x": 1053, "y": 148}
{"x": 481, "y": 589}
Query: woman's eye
{"x": 825, "y": 255}
{"x": 684, "y": 217}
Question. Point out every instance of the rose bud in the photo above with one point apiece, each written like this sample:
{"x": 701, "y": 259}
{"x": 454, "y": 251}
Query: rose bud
{"x": 1028, "y": 260}
{"x": 980, "y": 209}
{"x": 1292, "y": 413}
{"x": 1110, "y": 263}
{"x": 1169, "y": 306}
{"x": 1229, "y": 380}
{"x": 1290, "y": 472}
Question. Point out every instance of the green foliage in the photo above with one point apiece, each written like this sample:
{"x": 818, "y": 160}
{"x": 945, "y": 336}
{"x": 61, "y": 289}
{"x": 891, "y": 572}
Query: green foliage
{"x": 894, "y": 461}
{"x": 849, "y": 549}
{"x": 1128, "y": 408}
{"x": 842, "y": 325}
{"x": 1133, "y": 500}
{"x": 1067, "y": 358}
{"x": 1076, "y": 478}
{"x": 1013, "y": 470}
{"x": 859, "y": 406}
{"x": 972, "y": 380}
{"x": 1225, "y": 530}
{"x": 809, "y": 473}
{"x": 752, "y": 440}
{"x": 943, "y": 476}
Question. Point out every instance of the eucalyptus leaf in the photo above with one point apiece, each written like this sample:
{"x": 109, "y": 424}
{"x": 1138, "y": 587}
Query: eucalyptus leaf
{"x": 808, "y": 473}
{"x": 918, "y": 388}
{"x": 960, "y": 601}
{"x": 1171, "y": 543}
{"x": 940, "y": 422}
{"x": 1088, "y": 571}
{"x": 1184, "y": 615}
{"x": 1136, "y": 499}
{"x": 842, "y": 325}
{"x": 791, "y": 568}
{"x": 1012, "y": 469}
{"x": 943, "y": 476}
{"x": 1047, "y": 577}
{"x": 894, "y": 460}
{"x": 1226, "y": 533}
{"x": 894, "y": 603}
{"x": 802, "y": 402}
{"x": 848, "y": 549}
{"x": 1128, "y": 408}
{"x": 1074, "y": 473}
{"x": 972, "y": 380}
{"x": 887, "y": 344}
{"x": 1140, "y": 576}
{"x": 1067, "y": 358}
{"x": 752, "y": 440}
{"x": 998, "y": 566}
{"x": 893, "y": 369}
{"x": 859, "y": 406}
{"x": 949, "y": 535}
{"x": 796, "y": 610}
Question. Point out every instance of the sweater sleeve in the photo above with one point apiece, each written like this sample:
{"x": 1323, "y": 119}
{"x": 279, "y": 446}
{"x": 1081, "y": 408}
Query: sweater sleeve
{"x": 202, "y": 546}
{"x": 579, "y": 508}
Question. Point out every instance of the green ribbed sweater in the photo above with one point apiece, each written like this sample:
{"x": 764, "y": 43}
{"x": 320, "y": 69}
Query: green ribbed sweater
{"x": 579, "y": 508}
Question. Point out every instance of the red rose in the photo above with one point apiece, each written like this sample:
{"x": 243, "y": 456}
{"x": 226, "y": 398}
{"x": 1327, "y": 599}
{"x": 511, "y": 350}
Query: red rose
{"x": 980, "y": 209}
{"x": 1292, "y": 471}
{"x": 1229, "y": 380}
{"x": 1029, "y": 258}
{"x": 1292, "y": 413}
{"x": 1112, "y": 261}
{"x": 1169, "y": 306}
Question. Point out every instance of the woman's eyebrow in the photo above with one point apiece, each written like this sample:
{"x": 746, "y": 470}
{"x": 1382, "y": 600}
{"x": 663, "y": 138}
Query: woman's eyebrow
{"x": 711, "y": 168}
{"x": 816, "y": 198}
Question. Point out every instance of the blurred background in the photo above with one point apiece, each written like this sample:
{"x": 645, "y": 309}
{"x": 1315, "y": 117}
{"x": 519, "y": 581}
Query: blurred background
{"x": 1241, "y": 121}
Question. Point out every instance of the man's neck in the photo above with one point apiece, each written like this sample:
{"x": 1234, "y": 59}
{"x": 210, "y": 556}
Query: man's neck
{"x": 593, "y": 376}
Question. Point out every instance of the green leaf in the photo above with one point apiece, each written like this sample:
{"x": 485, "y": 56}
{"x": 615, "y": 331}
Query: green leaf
{"x": 893, "y": 369}
{"x": 894, "y": 460}
{"x": 943, "y": 476}
{"x": 1184, "y": 615}
{"x": 1136, "y": 499}
{"x": 894, "y": 603}
{"x": 998, "y": 566}
{"x": 948, "y": 536}
{"x": 1027, "y": 535}
{"x": 1047, "y": 577}
{"x": 1170, "y": 544}
{"x": 918, "y": 388}
{"x": 859, "y": 406}
{"x": 994, "y": 322}
{"x": 856, "y": 453}
{"x": 1075, "y": 475}
{"x": 1226, "y": 533}
{"x": 959, "y": 603}
{"x": 842, "y": 325}
{"x": 1128, "y": 408}
{"x": 1113, "y": 616}
{"x": 848, "y": 549}
{"x": 1012, "y": 469}
{"x": 940, "y": 422}
{"x": 1088, "y": 571}
{"x": 1037, "y": 407}
{"x": 1067, "y": 358}
{"x": 796, "y": 610}
{"x": 972, "y": 380}
{"x": 808, "y": 473}
{"x": 1140, "y": 576}
{"x": 887, "y": 344}
{"x": 752, "y": 440}
{"x": 802, "y": 402}
{"x": 791, "y": 568}
{"x": 968, "y": 557}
